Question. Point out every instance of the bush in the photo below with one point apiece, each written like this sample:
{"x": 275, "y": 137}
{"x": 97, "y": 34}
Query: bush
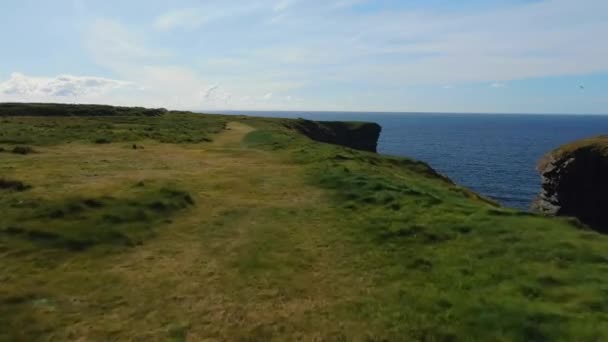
{"x": 13, "y": 185}
{"x": 102, "y": 141}
{"x": 23, "y": 150}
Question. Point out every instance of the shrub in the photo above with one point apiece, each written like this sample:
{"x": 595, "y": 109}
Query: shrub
{"x": 23, "y": 150}
{"x": 102, "y": 141}
{"x": 13, "y": 185}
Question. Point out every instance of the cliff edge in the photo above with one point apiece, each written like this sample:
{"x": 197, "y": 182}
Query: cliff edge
{"x": 357, "y": 135}
{"x": 224, "y": 208}
{"x": 575, "y": 182}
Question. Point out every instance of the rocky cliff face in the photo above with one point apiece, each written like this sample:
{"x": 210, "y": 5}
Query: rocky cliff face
{"x": 358, "y": 135}
{"x": 575, "y": 182}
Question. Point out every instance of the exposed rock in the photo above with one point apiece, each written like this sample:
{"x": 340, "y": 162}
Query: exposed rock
{"x": 358, "y": 135}
{"x": 575, "y": 182}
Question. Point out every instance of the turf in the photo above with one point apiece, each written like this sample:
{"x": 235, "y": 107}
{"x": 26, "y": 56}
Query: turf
{"x": 598, "y": 144}
{"x": 169, "y": 128}
{"x": 258, "y": 233}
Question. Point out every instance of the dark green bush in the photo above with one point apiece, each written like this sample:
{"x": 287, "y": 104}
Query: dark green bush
{"x": 102, "y": 141}
{"x": 13, "y": 185}
{"x": 23, "y": 150}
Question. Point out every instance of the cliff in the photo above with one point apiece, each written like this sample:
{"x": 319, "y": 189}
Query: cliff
{"x": 358, "y": 135}
{"x": 575, "y": 182}
{"x": 223, "y": 209}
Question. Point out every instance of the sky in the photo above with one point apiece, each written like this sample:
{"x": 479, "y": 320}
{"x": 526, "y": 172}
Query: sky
{"x": 489, "y": 56}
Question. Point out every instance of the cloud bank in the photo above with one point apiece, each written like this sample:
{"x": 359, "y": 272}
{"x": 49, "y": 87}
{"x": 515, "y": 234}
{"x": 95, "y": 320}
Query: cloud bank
{"x": 332, "y": 54}
{"x": 28, "y": 88}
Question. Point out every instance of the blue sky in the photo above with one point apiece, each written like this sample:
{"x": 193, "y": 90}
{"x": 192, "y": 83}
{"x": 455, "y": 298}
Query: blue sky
{"x": 514, "y": 56}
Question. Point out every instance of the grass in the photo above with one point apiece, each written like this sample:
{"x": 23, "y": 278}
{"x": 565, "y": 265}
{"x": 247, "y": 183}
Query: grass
{"x": 79, "y": 223}
{"x": 173, "y": 127}
{"x": 62, "y": 110}
{"x": 263, "y": 234}
{"x": 450, "y": 264}
{"x": 597, "y": 144}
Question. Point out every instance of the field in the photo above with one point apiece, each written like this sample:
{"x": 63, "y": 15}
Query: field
{"x": 189, "y": 227}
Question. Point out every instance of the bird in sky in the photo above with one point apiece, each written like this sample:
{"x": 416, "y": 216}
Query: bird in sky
{"x": 581, "y": 87}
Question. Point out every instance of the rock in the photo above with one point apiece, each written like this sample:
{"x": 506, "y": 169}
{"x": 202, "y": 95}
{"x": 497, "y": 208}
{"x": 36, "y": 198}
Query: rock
{"x": 357, "y": 135}
{"x": 575, "y": 182}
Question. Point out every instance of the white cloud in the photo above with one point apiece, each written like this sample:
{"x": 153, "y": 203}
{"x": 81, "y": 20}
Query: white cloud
{"x": 114, "y": 46}
{"x": 186, "y": 18}
{"x": 282, "y": 5}
{"x": 165, "y": 84}
{"x": 498, "y": 85}
{"x": 341, "y": 4}
{"x": 400, "y": 47}
{"x": 126, "y": 54}
{"x": 194, "y": 17}
{"x": 27, "y": 88}
{"x": 326, "y": 53}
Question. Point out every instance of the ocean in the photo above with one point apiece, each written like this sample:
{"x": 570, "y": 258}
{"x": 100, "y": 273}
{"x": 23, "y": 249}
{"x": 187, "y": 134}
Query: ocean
{"x": 492, "y": 154}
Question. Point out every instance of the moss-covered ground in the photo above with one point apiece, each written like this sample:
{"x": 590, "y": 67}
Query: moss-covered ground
{"x": 197, "y": 227}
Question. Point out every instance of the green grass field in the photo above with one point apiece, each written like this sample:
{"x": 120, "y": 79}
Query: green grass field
{"x": 193, "y": 227}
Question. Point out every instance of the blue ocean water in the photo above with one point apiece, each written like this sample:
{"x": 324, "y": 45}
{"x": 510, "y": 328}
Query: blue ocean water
{"x": 492, "y": 154}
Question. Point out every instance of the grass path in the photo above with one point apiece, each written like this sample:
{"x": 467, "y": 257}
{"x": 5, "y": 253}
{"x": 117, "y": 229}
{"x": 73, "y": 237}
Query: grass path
{"x": 232, "y": 136}
{"x": 239, "y": 265}
{"x": 216, "y": 272}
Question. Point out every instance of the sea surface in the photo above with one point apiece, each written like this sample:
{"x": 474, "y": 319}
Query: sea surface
{"x": 492, "y": 154}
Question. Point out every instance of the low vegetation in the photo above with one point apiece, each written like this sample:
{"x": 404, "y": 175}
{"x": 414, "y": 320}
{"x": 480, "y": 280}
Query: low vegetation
{"x": 448, "y": 263}
{"x": 598, "y": 144}
{"x": 259, "y": 233}
{"x": 12, "y": 185}
{"x": 44, "y": 125}
{"x": 62, "y": 110}
{"x": 78, "y": 223}
{"x": 22, "y": 150}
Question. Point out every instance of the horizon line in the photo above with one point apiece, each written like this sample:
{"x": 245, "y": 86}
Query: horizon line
{"x": 221, "y": 111}
{"x": 390, "y": 112}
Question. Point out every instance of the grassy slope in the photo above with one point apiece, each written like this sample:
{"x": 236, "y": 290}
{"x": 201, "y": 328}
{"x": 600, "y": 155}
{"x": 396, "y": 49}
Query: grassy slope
{"x": 264, "y": 234}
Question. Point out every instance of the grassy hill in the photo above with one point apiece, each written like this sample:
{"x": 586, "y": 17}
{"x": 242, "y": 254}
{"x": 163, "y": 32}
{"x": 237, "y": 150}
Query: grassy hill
{"x": 183, "y": 226}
